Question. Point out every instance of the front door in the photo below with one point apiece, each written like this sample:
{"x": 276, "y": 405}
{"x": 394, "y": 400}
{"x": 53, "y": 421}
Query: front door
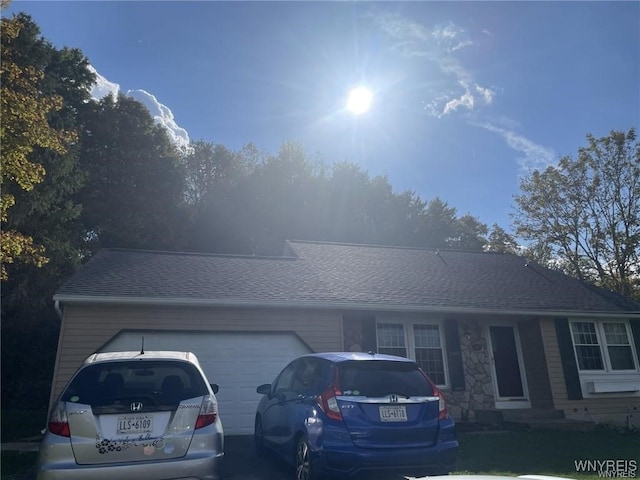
{"x": 508, "y": 368}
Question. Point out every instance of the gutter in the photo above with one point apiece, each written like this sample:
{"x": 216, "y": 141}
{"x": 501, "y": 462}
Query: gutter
{"x": 324, "y": 305}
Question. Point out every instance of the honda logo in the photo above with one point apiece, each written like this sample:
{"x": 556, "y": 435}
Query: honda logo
{"x": 393, "y": 398}
{"x": 136, "y": 406}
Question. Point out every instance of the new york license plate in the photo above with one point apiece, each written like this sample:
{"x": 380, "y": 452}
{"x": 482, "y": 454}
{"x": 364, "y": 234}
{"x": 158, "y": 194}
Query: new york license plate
{"x": 393, "y": 413}
{"x": 135, "y": 424}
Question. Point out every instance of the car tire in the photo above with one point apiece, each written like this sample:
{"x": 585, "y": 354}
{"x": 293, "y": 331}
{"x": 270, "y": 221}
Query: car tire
{"x": 258, "y": 437}
{"x": 305, "y": 469}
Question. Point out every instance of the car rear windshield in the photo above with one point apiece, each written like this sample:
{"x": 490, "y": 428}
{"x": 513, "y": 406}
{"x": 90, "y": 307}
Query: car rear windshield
{"x": 155, "y": 383}
{"x": 378, "y": 378}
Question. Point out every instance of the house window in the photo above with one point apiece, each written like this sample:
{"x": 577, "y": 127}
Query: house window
{"x": 418, "y": 341}
{"x": 391, "y": 339}
{"x": 618, "y": 346}
{"x": 603, "y": 346}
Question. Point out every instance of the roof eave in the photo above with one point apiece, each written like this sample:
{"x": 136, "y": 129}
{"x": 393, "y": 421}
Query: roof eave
{"x": 332, "y": 305}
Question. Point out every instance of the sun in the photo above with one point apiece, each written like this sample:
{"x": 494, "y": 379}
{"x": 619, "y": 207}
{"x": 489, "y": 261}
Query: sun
{"x": 359, "y": 100}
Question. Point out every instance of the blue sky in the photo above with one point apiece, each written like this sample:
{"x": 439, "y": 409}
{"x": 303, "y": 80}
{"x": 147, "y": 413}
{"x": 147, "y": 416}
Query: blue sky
{"x": 468, "y": 96}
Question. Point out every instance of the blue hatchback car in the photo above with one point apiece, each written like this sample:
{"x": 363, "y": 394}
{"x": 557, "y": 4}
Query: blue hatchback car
{"x": 349, "y": 413}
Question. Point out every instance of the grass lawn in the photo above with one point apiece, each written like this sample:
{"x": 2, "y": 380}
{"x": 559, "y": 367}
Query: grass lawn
{"x": 545, "y": 452}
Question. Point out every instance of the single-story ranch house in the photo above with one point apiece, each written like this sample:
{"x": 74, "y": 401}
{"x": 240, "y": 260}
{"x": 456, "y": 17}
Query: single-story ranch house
{"x": 497, "y": 333}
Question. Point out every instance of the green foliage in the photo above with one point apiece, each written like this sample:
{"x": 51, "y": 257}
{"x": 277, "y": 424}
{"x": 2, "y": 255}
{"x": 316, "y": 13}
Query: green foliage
{"x": 26, "y": 106}
{"x": 135, "y": 189}
{"x": 45, "y": 213}
{"x": 587, "y": 211}
{"x": 501, "y": 242}
{"x": 266, "y": 199}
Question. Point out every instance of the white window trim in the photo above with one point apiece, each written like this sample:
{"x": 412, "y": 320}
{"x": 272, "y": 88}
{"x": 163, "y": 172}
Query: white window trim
{"x": 614, "y": 383}
{"x": 603, "y": 347}
{"x": 409, "y": 340}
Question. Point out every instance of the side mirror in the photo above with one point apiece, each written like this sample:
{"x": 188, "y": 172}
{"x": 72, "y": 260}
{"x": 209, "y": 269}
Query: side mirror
{"x": 264, "y": 389}
{"x": 215, "y": 387}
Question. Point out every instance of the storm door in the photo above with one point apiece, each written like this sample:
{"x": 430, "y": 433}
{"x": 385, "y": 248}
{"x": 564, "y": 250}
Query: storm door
{"x": 508, "y": 368}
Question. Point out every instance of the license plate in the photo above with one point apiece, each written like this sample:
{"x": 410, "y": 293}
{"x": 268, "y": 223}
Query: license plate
{"x": 135, "y": 424}
{"x": 395, "y": 413}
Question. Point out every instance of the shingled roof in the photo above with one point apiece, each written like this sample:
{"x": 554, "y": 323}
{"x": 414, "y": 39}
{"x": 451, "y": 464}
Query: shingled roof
{"x": 330, "y": 275}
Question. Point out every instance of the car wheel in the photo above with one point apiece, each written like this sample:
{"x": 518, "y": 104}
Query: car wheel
{"x": 304, "y": 467}
{"x": 258, "y": 437}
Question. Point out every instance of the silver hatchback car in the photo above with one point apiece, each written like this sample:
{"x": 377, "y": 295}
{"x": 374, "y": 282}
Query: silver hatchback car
{"x": 134, "y": 415}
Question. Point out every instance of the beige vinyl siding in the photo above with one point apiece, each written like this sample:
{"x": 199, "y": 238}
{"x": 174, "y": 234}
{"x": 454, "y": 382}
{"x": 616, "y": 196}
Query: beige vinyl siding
{"x": 610, "y": 409}
{"x": 86, "y": 328}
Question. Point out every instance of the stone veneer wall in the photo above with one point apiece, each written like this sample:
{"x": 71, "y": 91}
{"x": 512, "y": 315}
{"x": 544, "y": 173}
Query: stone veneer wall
{"x": 476, "y": 360}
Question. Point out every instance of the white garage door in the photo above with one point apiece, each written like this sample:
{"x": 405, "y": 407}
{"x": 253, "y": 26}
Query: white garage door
{"x": 238, "y": 362}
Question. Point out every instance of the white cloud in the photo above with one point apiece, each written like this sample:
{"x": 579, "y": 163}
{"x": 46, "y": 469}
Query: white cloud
{"x": 163, "y": 116}
{"x": 103, "y": 87}
{"x": 536, "y": 157}
{"x": 487, "y": 93}
{"x": 466, "y": 100}
{"x": 160, "y": 112}
{"x": 438, "y": 46}
{"x": 450, "y": 36}
{"x": 399, "y": 27}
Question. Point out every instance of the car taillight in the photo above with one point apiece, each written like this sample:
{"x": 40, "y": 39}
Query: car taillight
{"x": 442, "y": 404}
{"x": 328, "y": 402}
{"x": 208, "y": 412}
{"x": 58, "y": 422}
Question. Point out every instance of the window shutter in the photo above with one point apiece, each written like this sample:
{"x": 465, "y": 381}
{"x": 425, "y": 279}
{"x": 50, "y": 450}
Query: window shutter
{"x": 369, "y": 338}
{"x": 635, "y": 331}
{"x": 454, "y": 354}
{"x": 568, "y": 358}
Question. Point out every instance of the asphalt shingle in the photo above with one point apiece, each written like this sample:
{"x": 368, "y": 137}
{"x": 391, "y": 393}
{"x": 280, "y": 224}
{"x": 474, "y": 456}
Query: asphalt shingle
{"x": 341, "y": 274}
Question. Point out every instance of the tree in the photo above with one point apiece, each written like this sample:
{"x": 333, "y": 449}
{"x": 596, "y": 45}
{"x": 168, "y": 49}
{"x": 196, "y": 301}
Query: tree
{"x": 209, "y": 167}
{"x": 26, "y": 106}
{"x": 219, "y": 197}
{"x": 588, "y": 211}
{"x": 134, "y": 195}
{"x": 440, "y": 224}
{"x": 471, "y": 234}
{"x": 47, "y": 213}
{"x": 501, "y": 242}
{"x": 43, "y": 89}
{"x": 277, "y": 200}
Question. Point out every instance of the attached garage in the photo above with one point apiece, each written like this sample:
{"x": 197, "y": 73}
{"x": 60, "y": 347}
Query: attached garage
{"x": 246, "y": 317}
{"x": 237, "y": 361}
